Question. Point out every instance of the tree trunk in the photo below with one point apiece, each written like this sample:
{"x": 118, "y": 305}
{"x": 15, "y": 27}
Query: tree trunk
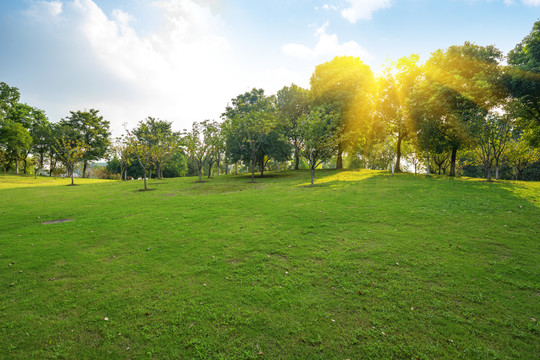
{"x": 17, "y": 166}
{"x": 312, "y": 175}
{"x": 427, "y": 163}
{"x": 488, "y": 168}
{"x": 209, "y": 170}
{"x": 439, "y": 169}
{"x": 72, "y": 177}
{"x": 145, "y": 188}
{"x": 453, "y": 161}
{"x": 296, "y": 159}
{"x": 24, "y": 168}
{"x": 339, "y": 161}
{"x": 398, "y": 155}
{"x": 125, "y": 174}
{"x": 200, "y": 173}
{"x": 85, "y": 165}
{"x": 236, "y": 168}
{"x": 497, "y": 169}
{"x": 261, "y": 166}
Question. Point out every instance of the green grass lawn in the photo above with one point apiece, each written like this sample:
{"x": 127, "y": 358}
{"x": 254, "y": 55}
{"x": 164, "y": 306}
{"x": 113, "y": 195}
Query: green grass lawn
{"x": 363, "y": 265}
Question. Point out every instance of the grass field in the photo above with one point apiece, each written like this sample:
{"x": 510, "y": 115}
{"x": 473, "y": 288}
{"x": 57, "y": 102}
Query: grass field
{"x": 363, "y": 265}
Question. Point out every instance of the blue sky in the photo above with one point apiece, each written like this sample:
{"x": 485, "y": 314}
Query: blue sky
{"x": 183, "y": 60}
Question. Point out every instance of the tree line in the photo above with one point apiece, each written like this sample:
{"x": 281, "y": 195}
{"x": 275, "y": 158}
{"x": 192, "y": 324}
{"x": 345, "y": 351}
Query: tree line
{"x": 463, "y": 110}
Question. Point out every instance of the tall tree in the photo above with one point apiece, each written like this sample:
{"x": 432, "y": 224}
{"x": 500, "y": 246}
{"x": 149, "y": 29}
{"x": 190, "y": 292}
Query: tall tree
{"x": 395, "y": 88}
{"x": 143, "y": 141}
{"x": 250, "y": 129}
{"x": 164, "y": 142}
{"x": 317, "y": 141}
{"x": 523, "y": 83}
{"x": 122, "y": 151}
{"x": 70, "y": 149}
{"x": 214, "y": 142}
{"x": 196, "y": 148}
{"x": 292, "y": 105}
{"x": 460, "y": 83}
{"x": 93, "y": 131}
{"x": 347, "y": 84}
{"x": 15, "y": 140}
{"x": 491, "y": 135}
{"x": 9, "y": 97}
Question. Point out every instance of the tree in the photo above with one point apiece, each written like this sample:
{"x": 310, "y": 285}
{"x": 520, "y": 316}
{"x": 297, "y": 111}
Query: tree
{"x": 292, "y": 104}
{"x": 196, "y": 148}
{"x": 317, "y": 140}
{"x": 15, "y": 141}
{"x": 9, "y": 97}
{"x": 145, "y": 141}
{"x": 520, "y": 155}
{"x": 522, "y": 80}
{"x": 347, "y": 84}
{"x": 395, "y": 88}
{"x": 491, "y": 134}
{"x": 70, "y": 149}
{"x": 92, "y": 130}
{"x": 122, "y": 151}
{"x": 41, "y": 133}
{"x": 213, "y": 141}
{"x": 164, "y": 142}
{"x": 460, "y": 84}
{"x": 250, "y": 131}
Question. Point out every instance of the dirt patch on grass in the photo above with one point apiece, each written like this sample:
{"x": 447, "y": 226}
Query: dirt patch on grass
{"x": 146, "y": 189}
{"x": 56, "y": 221}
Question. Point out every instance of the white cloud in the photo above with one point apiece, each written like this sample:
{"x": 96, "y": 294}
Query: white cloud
{"x": 326, "y": 48}
{"x": 181, "y": 72}
{"x": 44, "y": 10}
{"x": 363, "y": 9}
{"x": 532, "y": 2}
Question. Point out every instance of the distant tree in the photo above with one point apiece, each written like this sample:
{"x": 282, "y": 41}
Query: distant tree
{"x": 317, "y": 140}
{"x": 522, "y": 80}
{"x": 347, "y": 84}
{"x": 396, "y": 85}
{"x": 145, "y": 141}
{"x": 163, "y": 140}
{"x": 15, "y": 141}
{"x": 250, "y": 130}
{"x": 520, "y": 155}
{"x": 491, "y": 134}
{"x": 460, "y": 84}
{"x": 213, "y": 141}
{"x": 70, "y": 149}
{"x": 122, "y": 151}
{"x": 92, "y": 130}
{"x": 197, "y": 150}
{"x": 9, "y": 98}
{"x": 177, "y": 166}
{"x": 292, "y": 104}
{"x": 41, "y": 133}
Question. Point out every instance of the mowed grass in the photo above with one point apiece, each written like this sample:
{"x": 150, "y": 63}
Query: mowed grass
{"x": 363, "y": 265}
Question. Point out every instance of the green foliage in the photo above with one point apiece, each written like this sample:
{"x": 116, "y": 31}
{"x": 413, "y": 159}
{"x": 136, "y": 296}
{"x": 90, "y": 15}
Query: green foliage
{"x": 346, "y": 84}
{"x": 92, "y": 130}
{"x": 251, "y": 131}
{"x": 318, "y": 140}
{"x": 292, "y": 104}
{"x": 523, "y": 83}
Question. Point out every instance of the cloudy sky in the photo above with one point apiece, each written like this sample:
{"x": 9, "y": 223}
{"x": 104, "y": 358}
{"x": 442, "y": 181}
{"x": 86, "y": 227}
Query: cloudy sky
{"x": 183, "y": 60}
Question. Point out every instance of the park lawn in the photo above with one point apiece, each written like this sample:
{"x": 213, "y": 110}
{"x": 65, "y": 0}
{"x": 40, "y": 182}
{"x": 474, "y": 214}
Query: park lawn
{"x": 362, "y": 265}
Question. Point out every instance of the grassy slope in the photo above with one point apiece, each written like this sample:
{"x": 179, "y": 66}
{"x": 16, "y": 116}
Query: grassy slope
{"x": 362, "y": 265}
